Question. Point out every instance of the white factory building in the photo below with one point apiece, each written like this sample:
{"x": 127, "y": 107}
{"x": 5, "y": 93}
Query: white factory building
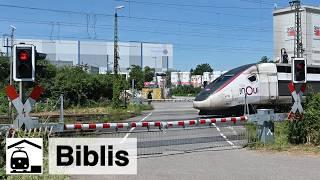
{"x": 284, "y": 32}
{"x": 99, "y": 55}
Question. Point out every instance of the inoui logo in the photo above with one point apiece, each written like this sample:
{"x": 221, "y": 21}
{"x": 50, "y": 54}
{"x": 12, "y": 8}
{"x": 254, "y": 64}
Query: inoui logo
{"x": 92, "y": 156}
{"x": 249, "y": 90}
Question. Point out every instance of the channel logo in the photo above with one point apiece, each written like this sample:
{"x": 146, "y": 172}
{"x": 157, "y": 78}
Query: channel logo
{"x": 24, "y": 156}
{"x": 92, "y": 156}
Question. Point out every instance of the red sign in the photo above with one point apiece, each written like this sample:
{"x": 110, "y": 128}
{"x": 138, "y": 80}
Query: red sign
{"x": 291, "y": 31}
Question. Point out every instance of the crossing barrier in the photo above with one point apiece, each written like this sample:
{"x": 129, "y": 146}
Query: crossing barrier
{"x": 156, "y": 124}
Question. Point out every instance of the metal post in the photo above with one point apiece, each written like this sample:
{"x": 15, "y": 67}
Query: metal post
{"x": 107, "y": 63}
{"x": 298, "y": 46}
{"x": 132, "y": 91}
{"x": 61, "y": 120}
{"x": 7, "y": 46}
{"x": 11, "y": 59}
{"x": 11, "y": 69}
{"x": 245, "y": 103}
{"x": 20, "y": 91}
{"x": 155, "y": 69}
{"x": 115, "y": 44}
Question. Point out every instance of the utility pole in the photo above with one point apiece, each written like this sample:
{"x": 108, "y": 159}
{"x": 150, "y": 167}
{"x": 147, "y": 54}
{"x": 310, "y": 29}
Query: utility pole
{"x": 115, "y": 44}
{"x": 6, "y": 43}
{"x": 298, "y": 46}
{"x": 13, "y": 28}
{"x": 11, "y": 58}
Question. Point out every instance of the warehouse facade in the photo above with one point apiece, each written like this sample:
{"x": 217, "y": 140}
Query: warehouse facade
{"x": 284, "y": 32}
{"x": 99, "y": 55}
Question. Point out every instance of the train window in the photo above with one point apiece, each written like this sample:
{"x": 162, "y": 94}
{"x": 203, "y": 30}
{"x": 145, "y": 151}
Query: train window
{"x": 252, "y": 78}
{"x": 313, "y": 70}
{"x": 19, "y": 154}
{"x": 284, "y": 69}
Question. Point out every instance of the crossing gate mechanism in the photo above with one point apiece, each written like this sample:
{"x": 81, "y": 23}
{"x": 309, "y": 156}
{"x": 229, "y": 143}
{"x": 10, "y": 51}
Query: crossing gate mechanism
{"x": 23, "y": 120}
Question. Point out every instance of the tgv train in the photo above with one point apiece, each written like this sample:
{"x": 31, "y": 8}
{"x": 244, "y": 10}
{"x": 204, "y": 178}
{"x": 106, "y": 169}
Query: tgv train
{"x": 263, "y": 85}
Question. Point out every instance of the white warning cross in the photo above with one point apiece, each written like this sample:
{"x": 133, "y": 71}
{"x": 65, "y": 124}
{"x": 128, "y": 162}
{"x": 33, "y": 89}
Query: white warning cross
{"x": 297, "y": 97}
{"x": 23, "y": 110}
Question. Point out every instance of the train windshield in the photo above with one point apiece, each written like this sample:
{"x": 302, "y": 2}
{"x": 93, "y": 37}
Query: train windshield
{"x": 220, "y": 81}
{"x": 19, "y": 154}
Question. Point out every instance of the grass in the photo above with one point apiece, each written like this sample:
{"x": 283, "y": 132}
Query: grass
{"x": 281, "y": 143}
{"x": 100, "y": 114}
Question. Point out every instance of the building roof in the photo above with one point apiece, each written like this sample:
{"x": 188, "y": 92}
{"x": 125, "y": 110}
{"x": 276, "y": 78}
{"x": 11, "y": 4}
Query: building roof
{"x": 288, "y": 9}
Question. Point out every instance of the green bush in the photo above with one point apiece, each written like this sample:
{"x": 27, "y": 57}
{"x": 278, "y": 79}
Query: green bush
{"x": 185, "y": 91}
{"x": 80, "y": 88}
{"x": 3, "y": 102}
{"x": 308, "y": 129}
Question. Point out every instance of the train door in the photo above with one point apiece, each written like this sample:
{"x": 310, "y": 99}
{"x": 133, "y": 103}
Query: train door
{"x": 268, "y": 87}
{"x": 273, "y": 87}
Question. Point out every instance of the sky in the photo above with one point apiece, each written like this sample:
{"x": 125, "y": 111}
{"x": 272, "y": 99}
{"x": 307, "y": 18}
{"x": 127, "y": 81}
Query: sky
{"x": 224, "y": 34}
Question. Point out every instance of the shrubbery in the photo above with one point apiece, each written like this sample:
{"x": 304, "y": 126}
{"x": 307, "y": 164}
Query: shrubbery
{"x": 308, "y": 129}
{"x": 185, "y": 91}
{"x": 79, "y": 87}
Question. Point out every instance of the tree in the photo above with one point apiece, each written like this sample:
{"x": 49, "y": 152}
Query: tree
{"x": 148, "y": 74}
{"x": 201, "y": 68}
{"x": 119, "y": 84}
{"x": 4, "y": 68}
{"x": 137, "y": 74}
{"x": 265, "y": 59}
{"x": 73, "y": 83}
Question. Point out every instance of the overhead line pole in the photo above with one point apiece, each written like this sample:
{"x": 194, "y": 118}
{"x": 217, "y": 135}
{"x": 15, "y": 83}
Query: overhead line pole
{"x": 115, "y": 44}
{"x": 298, "y": 46}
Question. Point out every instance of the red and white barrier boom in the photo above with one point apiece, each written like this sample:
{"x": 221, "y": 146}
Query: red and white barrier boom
{"x": 23, "y": 120}
{"x": 297, "y": 109}
{"x": 156, "y": 124}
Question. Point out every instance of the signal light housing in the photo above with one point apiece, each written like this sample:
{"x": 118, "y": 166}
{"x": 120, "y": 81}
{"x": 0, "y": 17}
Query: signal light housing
{"x": 24, "y": 62}
{"x": 299, "y": 70}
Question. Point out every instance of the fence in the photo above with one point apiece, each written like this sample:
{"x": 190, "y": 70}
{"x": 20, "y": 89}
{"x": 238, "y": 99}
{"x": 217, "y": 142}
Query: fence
{"x": 153, "y": 141}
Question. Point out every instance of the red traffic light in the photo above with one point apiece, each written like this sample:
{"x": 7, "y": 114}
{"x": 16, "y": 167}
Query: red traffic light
{"x": 300, "y": 66}
{"x": 23, "y": 56}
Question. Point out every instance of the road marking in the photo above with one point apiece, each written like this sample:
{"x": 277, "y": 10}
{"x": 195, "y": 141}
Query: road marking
{"x": 232, "y": 129}
{"x": 222, "y": 135}
{"x": 128, "y": 134}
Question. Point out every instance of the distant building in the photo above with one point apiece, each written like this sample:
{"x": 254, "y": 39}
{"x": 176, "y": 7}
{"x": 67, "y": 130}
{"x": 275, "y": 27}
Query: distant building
{"x": 284, "y": 32}
{"x": 100, "y": 54}
{"x": 185, "y": 78}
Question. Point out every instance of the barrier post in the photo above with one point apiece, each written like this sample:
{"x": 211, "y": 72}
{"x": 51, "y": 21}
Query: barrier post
{"x": 61, "y": 120}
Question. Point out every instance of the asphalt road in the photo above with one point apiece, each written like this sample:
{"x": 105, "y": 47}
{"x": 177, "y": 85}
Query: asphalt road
{"x": 224, "y": 160}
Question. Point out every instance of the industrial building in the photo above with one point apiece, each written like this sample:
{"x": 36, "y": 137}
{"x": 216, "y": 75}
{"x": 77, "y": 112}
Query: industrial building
{"x": 284, "y": 32}
{"x": 186, "y": 79}
{"x": 98, "y": 55}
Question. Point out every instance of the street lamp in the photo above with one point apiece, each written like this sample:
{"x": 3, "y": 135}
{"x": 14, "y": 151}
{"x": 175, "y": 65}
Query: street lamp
{"x": 116, "y": 53}
{"x": 155, "y": 68}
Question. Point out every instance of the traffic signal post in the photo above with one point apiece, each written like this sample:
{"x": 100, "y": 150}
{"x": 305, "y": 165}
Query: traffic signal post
{"x": 24, "y": 68}
{"x": 298, "y": 86}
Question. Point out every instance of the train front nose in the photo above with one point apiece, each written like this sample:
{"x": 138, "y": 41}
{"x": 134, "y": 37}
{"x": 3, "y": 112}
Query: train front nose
{"x": 202, "y": 102}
